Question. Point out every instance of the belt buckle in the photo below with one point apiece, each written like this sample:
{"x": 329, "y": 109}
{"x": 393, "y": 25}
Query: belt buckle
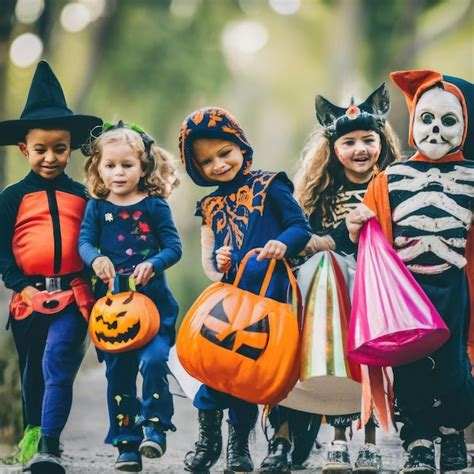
{"x": 53, "y": 284}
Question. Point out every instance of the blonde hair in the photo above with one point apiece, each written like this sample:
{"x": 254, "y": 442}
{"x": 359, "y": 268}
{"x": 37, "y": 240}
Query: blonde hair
{"x": 158, "y": 164}
{"x": 320, "y": 173}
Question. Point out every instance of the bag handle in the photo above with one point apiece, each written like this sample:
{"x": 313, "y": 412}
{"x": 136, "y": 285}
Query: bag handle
{"x": 268, "y": 274}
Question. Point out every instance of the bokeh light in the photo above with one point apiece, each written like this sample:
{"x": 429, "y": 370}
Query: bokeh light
{"x": 75, "y": 17}
{"x": 285, "y": 7}
{"x": 96, "y": 8}
{"x": 28, "y": 11}
{"x": 245, "y": 37}
{"x": 26, "y": 49}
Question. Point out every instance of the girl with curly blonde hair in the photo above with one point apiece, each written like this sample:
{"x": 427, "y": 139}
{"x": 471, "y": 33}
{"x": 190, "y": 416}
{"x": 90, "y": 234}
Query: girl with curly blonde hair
{"x": 344, "y": 152}
{"x": 128, "y": 234}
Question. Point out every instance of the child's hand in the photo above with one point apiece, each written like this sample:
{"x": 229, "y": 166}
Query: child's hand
{"x": 318, "y": 243}
{"x": 356, "y": 219}
{"x": 142, "y": 273}
{"x": 273, "y": 249}
{"x": 224, "y": 259}
{"x": 105, "y": 270}
{"x": 27, "y": 293}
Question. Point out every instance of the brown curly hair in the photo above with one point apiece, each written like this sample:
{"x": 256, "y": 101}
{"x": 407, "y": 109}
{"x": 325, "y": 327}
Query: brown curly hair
{"x": 159, "y": 164}
{"x": 320, "y": 173}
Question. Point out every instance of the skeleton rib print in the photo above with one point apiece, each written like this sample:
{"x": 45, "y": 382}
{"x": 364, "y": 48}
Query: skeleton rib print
{"x": 431, "y": 211}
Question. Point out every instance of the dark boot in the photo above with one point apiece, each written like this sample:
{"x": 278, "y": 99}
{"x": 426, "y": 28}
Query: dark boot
{"x": 277, "y": 459}
{"x": 421, "y": 458}
{"x": 209, "y": 444}
{"x": 453, "y": 452}
{"x": 47, "y": 459}
{"x": 238, "y": 454}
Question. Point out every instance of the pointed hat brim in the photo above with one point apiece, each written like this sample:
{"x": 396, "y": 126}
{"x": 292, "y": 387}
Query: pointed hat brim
{"x": 14, "y": 131}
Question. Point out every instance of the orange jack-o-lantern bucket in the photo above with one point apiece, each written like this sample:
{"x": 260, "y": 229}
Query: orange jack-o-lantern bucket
{"x": 241, "y": 343}
{"x": 123, "y": 321}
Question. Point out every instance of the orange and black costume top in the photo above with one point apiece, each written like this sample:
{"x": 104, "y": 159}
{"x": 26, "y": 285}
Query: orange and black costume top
{"x": 40, "y": 221}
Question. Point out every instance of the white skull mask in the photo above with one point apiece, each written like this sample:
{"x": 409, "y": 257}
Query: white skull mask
{"x": 438, "y": 125}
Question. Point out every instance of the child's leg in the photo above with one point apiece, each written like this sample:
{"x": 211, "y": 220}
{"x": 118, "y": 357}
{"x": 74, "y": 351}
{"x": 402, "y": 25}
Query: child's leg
{"x": 157, "y": 405}
{"x": 370, "y": 431}
{"x": 369, "y": 458}
{"x": 30, "y": 338}
{"x": 157, "y": 402}
{"x": 338, "y": 453}
{"x": 290, "y": 427}
{"x": 65, "y": 349}
{"x": 125, "y": 434}
{"x": 121, "y": 372}
{"x": 242, "y": 419}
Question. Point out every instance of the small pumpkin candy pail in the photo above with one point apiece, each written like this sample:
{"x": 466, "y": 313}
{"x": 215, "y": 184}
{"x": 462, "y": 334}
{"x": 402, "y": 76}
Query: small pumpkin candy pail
{"x": 123, "y": 321}
{"x": 242, "y": 343}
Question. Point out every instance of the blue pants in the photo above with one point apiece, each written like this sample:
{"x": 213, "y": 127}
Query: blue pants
{"x": 126, "y": 413}
{"x": 57, "y": 342}
{"x": 240, "y": 411}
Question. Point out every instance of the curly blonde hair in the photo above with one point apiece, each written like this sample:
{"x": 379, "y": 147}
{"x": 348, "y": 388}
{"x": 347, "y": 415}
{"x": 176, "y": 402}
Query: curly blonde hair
{"x": 320, "y": 173}
{"x": 158, "y": 164}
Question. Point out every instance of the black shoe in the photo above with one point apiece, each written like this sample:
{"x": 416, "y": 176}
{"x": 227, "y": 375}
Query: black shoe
{"x": 238, "y": 454}
{"x": 47, "y": 459}
{"x": 304, "y": 431}
{"x": 421, "y": 457}
{"x": 129, "y": 458}
{"x": 277, "y": 459}
{"x": 453, "y": 452}
{"x": 209, "y": 444}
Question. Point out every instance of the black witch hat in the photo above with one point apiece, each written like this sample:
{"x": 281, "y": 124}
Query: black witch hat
{"x": 368, "y": 115}
{"x": 46, "y": 108}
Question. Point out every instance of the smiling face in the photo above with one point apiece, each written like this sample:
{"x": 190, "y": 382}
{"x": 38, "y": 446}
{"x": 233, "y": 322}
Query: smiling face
{"x": 47, "y": 151}
{"x": 120, "y": 169}
{"x": 217, "y": 160}
{"x": 438, "y": 124}
{"x": 358, "y": 152}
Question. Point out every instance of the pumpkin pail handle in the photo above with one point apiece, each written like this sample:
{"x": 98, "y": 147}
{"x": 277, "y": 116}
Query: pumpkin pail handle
{"x": 268, "y": 274}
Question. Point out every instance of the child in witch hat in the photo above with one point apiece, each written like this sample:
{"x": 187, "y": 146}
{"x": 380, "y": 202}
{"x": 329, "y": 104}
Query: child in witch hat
{"x": 41, "y": 217}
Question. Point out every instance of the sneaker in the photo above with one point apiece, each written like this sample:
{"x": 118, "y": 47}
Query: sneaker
{"x": 129, "y": 458}
{"x": 453, "y": 452}
{"x": 421, "y": 457}
{"x": 45, "y": 463}
{"x": 47, "y": 459}
{"x": 368, "y": 459}
{"x": 27, "y": 447}
{"x": 338, "y": 458}
{"x": 154, "y": 442}
{"x": 277, "y": 457}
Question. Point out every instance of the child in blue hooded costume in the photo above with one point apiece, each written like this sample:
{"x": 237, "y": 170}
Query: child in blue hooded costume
{"x": 248, "y": 209}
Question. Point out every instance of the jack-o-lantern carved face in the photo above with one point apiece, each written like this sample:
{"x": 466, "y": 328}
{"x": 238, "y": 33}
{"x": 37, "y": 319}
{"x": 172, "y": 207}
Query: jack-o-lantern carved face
{"x": 249, "y": 341}
{"x": 123, "y": 322}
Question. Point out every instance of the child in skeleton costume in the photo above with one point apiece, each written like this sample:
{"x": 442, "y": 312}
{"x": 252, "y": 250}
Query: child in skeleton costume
{"x": 249, "y": 209}
{"x": 425, "y": 209}
{"x": 41, "y": 215}
{"x": 348, "y": 148}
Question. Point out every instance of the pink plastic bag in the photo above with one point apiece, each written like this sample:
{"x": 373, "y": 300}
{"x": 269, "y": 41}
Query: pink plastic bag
{"x": 392, "y": 320}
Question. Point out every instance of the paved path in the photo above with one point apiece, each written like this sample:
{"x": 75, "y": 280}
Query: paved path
{"x": 85, "y": 452}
